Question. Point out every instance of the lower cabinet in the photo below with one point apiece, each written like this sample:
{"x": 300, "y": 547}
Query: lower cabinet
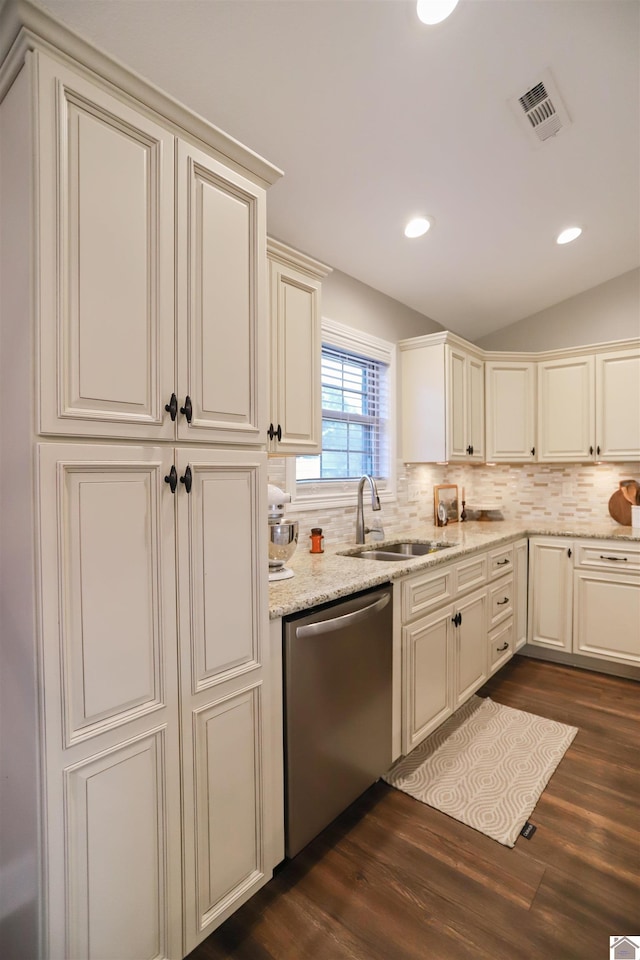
{"x": 584, "y": 598}
{"x": 155, "y": 691}
{"x": 446, "y": 661}
{"x": 459, "y": 623}
{"x": 428, "y": 666}
{"x": 550, "y": 592}
{"x": 469, "y": 646}
{"x": 444, "y": 644}
{"x": 521, "y": 581}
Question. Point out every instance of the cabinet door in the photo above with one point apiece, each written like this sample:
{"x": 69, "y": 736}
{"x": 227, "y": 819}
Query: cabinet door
{"x": 106, "y": 234}
{"x": 465, "y": 406}
{"x": 550, "y": 592}
{"x": 456, "y": 409}
{"x": 618, "y": 406}
{"x": 223, "y": 614}
{"x": 296, "y": 412}
{"x": 222, "y": 302}
{"x": 566, "y": 410}
{"x": 510, "y": 411}
{"x": 470, "y": 639}
{"x": 607, "y": 616}
{"x": 475, "y": 410}
{"x": 427, "y": 666}
{"x": 520, "y": 581}
{"x": 110, "y": 694}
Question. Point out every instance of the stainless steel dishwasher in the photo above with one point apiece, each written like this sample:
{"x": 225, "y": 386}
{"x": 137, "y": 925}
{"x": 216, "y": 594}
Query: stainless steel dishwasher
{"x": 337, "y": 684}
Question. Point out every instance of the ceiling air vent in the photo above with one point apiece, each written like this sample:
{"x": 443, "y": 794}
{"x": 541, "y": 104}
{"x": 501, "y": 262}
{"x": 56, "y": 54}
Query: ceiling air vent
{"x": 541, "y": 110}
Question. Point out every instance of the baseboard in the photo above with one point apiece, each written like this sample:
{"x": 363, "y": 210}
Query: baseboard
{"x": 584, "y": 663}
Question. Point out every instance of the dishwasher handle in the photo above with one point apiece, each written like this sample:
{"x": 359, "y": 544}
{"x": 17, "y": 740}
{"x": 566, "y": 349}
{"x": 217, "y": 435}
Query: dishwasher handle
{"x": 346, "y": 620}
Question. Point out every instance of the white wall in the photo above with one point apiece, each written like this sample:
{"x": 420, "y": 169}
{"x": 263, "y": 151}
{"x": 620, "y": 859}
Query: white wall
{"x": 610, "y": 311}
{"x": 349, "y": 301}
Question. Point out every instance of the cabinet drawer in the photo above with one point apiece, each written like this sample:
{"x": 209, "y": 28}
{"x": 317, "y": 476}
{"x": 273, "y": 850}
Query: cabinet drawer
{"x": 500, "y": 645}
{"x": 424, "y": 593}
{"x": 500, "y": 601}
{"x": 500, "y": 561}
{"x": 621, "y": 556}
{"x": 471, "y": 573}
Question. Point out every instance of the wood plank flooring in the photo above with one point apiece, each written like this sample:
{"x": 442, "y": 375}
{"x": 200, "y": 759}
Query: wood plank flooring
{"x": 392, "y": 879}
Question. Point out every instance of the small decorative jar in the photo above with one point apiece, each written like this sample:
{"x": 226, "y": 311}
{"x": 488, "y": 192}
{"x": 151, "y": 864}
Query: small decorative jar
{"x": 317, "y": 540}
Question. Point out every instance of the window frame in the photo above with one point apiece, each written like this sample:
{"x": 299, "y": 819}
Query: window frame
{"x": 337, "y": 493}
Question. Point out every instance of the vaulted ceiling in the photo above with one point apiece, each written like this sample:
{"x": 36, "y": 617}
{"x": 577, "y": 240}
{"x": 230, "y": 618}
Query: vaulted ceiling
{"x": 375, "y": 117}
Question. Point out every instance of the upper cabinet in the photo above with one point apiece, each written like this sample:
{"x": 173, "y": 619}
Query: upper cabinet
{"x": 295, "y": 423}
{"x": 442, "y": 400}
{"x": 510, "y": 411}
{"x": 566, "y": 409}
{"x": 618, "y": 405}
{"x": 589, "y": 407}
{"x": 576, "y": 405}
{"x": 151, "y": 326}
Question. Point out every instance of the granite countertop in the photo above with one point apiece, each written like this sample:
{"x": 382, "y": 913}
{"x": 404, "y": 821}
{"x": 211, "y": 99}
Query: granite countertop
{"x": 319, "y": 578}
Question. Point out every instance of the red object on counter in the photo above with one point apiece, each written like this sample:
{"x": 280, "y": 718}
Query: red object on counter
{"x": 317, "y": 540}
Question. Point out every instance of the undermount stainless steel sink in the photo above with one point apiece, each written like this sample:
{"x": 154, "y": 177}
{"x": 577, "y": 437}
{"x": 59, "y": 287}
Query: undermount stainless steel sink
{"x": 400, "y": 551}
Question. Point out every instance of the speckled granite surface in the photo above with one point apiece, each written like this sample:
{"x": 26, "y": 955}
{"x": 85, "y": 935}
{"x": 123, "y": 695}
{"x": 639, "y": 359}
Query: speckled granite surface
{"x": 319, "y": 578}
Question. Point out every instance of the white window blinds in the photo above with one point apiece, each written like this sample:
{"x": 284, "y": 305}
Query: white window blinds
{"x": 355, "y": 419}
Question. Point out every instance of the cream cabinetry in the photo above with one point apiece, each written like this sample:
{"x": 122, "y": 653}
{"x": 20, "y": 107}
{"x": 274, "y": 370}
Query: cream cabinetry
{"x": 111, "y": 760}
{"x": 116, "y": 614}
{"x": 521, "y": 580}
{"x": 224, "y": 684}
{"x": 444, "y": 644}
{"x": 550, "y": 592}
{"x": 442, "y": 400}
{"x": 504, "y": 601}
{"x": 584, "y": 599}
{"x": 133, "y": 268}
{"x": 566, "y": 409}
{"x": 470, "y": 646}
{"x": 618, "y": 405}
{"x": 589, "y": 407}
{"x": 606, "y": 609}
{"x": 295, "y": 280}
{"x": 130, "y": 348}
{"x": 510, "y": 411}
{"x": 564, "y": 406}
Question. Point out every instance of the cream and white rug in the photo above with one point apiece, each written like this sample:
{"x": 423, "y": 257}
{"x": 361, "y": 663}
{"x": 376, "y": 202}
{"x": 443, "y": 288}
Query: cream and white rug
{"x": 485, "y": 766}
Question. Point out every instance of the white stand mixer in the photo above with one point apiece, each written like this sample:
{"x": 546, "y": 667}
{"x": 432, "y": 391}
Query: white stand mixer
{"x": 283, "y": 534}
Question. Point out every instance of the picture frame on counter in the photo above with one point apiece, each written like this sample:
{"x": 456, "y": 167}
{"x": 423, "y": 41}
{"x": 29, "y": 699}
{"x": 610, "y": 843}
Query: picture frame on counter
{"x": 447, "y": 494}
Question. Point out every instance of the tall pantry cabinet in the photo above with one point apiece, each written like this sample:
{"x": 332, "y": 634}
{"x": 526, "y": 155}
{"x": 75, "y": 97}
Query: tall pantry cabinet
{"x": 136, "y": 792}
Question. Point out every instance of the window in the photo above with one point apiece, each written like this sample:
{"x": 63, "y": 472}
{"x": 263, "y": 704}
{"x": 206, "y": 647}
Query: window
{"x": 357, "y": 377}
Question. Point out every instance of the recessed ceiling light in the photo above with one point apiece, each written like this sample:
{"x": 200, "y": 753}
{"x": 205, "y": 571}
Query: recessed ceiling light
{"x": 571, "y": 233}
{"x": 435, "y": 11}
{"x": 417, "y": 227}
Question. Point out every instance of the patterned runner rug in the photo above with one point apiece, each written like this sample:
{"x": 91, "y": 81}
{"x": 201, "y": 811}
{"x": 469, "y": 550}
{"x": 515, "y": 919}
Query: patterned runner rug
{"x": 485, "y": 766}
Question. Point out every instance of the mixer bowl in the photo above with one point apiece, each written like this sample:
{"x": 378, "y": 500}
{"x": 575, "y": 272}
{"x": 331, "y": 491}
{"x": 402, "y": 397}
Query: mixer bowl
{"x": 283, "y": 540}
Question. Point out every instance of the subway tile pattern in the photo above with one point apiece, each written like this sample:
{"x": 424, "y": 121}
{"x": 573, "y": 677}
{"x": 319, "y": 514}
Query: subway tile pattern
{"x": 530, "y": 491}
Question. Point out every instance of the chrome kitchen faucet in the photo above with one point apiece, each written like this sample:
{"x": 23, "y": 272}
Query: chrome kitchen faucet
{"x": 361, "y": 530}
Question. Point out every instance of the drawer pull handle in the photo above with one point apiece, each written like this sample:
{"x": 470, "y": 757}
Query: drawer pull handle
{"x": 501, "y": 563}
{"x": 603, "y": 557}
{"x": 505, "y": 646}
{"x": 501, "y": 602}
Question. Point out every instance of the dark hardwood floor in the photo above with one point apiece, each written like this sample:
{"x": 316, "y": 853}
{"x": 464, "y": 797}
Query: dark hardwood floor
{"x": 393, "y": 879}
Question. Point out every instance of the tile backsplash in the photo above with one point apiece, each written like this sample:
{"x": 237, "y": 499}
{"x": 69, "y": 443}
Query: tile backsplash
{"x": 521, "y": 491}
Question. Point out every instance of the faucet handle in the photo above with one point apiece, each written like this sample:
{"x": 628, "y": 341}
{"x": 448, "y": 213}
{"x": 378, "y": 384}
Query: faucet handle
{"x": 377, "y": 533}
